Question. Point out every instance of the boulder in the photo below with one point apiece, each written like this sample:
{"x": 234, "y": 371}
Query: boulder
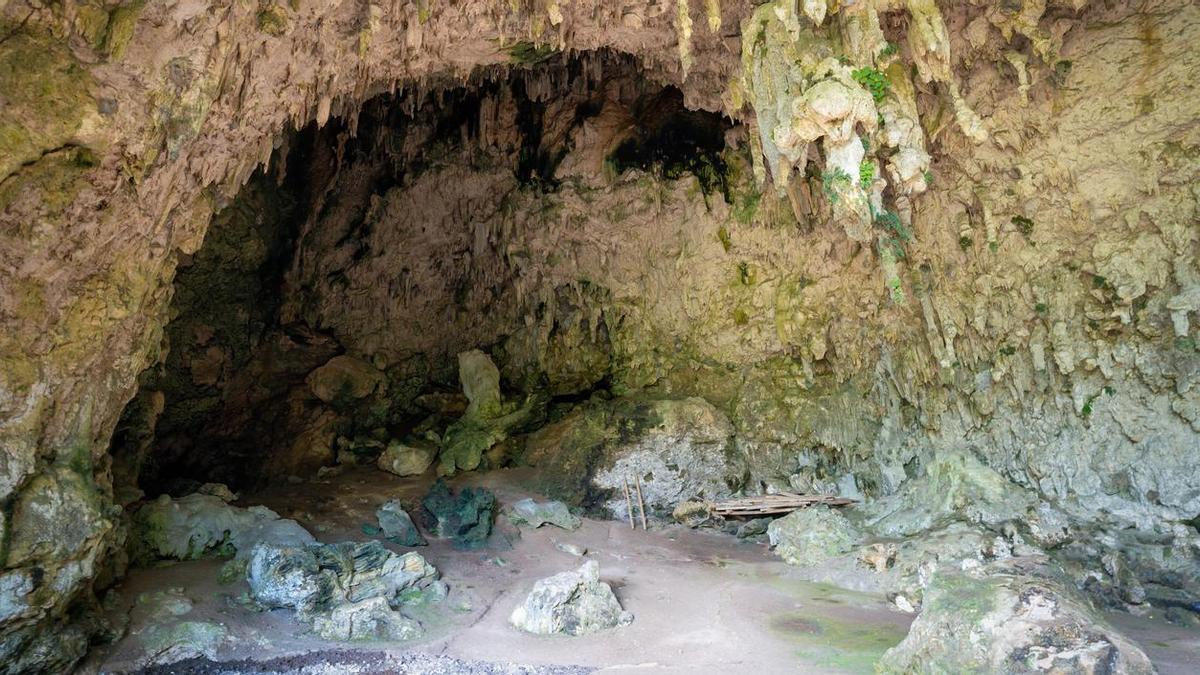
{"x": 200, "y": 525}
{"x": 465, "y": 518}
{"x": 407, "y": 459}
{"x": 370, "y": 619}
{"x": 1013, "y": 615}
{"x": 693, "y": 513}
{"x": 813, "y": 535}
{"x": 346, "y": 591}
{"x": 535, "y": 514}
{"x": 344, "y": 377}
{"x": 397, "y": 525}
{"x": 570, "y": 603}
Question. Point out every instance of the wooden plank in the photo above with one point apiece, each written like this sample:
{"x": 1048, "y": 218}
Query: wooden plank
{"x": 780, "y": 503}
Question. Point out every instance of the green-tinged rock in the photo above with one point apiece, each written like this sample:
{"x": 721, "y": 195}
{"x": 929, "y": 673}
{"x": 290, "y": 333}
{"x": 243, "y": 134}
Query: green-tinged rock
{"x": 956, "y": 486}
{"x": 175, "y": 641}
{"x": 1014, "y": 615}
{"x": 813, "y": 535}
{"x": 200, "y": 525}
{"x": 487, "y": 420}
{"x": 46, "y": 97}
{"x": 398, "y": 526}
{"x": 370, "y": 619}
{"x": 345, "y": 591}
{"x": 571, "y": 603}
{"x": 54, "y": 518}
{"x": 466, "y": 518}
{"x": 535, "y": 514}
{"x": 121, "y": 22}
{"x": 481, "y": 383}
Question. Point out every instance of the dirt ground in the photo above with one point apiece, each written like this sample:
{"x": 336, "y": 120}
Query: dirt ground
{"x": 703, "y": 602}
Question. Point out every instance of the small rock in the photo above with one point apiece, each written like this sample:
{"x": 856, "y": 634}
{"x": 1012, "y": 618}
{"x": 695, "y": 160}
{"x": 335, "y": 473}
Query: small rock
{"x": 904, "y": 605}
{"x": 398, "y": 526}
{"x": 330, "y": 471}
{"x": 693, "y": 513}
{"x": 755, "y": 527}
{"x": 407, "y": 459}
{"x": 536, "y": 514}
{"x": 573, "y": 549}
{"x": 219, "y": 490}
{"x": 571, "y": 603}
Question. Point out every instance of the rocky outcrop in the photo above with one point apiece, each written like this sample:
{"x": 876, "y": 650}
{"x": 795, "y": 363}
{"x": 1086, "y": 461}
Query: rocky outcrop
{"x": 1016, "y": 615}
{"x": 571, "y": 603}
{"x": 347, "y": 591}
{"x": 680, "y": 449}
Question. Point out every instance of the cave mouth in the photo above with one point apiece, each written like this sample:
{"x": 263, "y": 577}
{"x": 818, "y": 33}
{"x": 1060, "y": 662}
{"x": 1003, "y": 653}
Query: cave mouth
{"x": 322, "y": 317}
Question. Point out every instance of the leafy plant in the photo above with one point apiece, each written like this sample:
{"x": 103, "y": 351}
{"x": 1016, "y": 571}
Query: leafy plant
{"x": 873, "y": 81}
{"x": 830, "y": 180}
{"x": 889, "y": 50}
{"x": 1023, "y": 224}
{"x": 866, "y": 174}
{"x": 896, "y": 234}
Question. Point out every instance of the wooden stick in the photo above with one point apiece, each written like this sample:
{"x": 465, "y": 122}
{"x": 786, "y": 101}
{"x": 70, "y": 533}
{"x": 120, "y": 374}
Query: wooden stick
{"x": 641, "y": 501}
{"x": 629, "y": 504}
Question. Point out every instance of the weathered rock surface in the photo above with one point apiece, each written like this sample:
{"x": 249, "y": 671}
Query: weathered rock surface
{"x": 344, "y": 376}
{"x": 397, "y": 525}
{"x": 535, "y": 514}
{"x": 1016, "y": 615}
{"x": 199, "y": 525}
{"x": 813, "y": 535}
{"x": 680, "y": 449}
{"x": 487, "y": 420}
{"x": 347, "y": 591}
{"x": 407, "y": 459}
{"x": 570, "y": 603}
{"x": 466, "y": 517}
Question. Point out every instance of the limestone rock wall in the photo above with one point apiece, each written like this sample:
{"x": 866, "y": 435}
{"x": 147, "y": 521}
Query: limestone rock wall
{"x": 1040, "y": 312}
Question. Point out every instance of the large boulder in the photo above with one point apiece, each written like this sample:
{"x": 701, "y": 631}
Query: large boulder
{"x": 466, "y": 518}
{"x": 535, "y": 514}
{"x": 200, "y": 525}
{"x": 813, "y": 535}
{"x": 680, "y": 449}
{"x": 344, "y": 377}
{"x": 407, "y": 459}
{"x": 1013, "y": 615}
{"x": 346, "y": 591}
{"x": 570, "y": 603}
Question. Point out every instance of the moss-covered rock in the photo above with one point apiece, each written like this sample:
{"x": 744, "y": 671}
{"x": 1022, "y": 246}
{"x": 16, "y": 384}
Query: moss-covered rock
{"x": 812, "y": 536}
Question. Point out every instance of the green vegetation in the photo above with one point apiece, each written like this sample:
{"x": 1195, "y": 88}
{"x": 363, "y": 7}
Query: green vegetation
{"x": 896, "y": 234}
{"x": 866, "y": 174}
{"x": 873, "y": 81}
{"x": 1041, "y": 308}
{"x": 1023, "y": 225}
{"x": 529, "y": 54}
{"x": 889, "y": 50}
{"x": 965, "y": 242}
{"x": 830, "y": 180}
{"x": 272, "y": 20}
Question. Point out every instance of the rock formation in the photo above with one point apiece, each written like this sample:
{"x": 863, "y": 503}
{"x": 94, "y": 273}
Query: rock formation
{"x": 940, "y": 255}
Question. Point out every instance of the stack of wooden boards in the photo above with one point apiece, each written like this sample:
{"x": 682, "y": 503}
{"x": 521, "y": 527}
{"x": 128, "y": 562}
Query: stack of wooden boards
{"x": 768, "y": 505}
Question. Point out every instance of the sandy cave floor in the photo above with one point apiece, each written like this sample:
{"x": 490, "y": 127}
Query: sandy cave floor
{"x": 703, "y": 602}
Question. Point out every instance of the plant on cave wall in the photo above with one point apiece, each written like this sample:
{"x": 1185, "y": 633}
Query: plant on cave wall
{"x": 833, "y": 180}
{"x": 873, "y": 81}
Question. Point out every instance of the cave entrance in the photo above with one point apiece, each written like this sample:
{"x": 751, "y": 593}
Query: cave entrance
{"x": 322, "y": 319}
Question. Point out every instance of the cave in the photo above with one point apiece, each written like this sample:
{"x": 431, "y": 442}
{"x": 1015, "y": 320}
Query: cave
{"x": 565, "y": 337}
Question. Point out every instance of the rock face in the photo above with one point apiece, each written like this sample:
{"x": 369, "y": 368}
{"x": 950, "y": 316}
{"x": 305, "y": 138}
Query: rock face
{"x": 570, "y": 603}
{"x": 813, "y": 535}
{"x": 681, "y": 449}
{"x": 1016, "y": 615}
{"x": 344, "y": 376}
{"x": 347, "y": 591}
{"x": 1010, "y": 269}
